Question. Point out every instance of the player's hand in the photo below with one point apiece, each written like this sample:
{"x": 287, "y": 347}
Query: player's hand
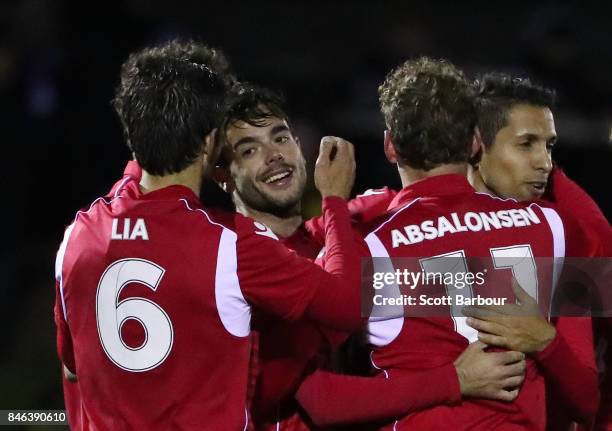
{"x": 490, "y": 375}
{"x": 519, "y": 327}
{"x": 335, "y": 167}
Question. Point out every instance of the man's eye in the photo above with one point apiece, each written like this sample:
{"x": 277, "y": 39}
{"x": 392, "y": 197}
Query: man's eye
{"x": 248, "y": 152}
{"x": 525, "y": 144}
{"x": 282, "y": 139}
{"x": 550, "y": 146}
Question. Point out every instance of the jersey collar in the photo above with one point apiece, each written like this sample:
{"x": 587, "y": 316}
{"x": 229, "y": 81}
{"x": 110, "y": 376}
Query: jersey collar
{"x": 439, "y": 185}
{"x": 134, "y": 172}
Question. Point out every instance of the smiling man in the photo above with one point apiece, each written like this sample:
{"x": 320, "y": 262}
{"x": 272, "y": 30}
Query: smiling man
{"x": 268, "y": 170}
{"x": 264, "y": 171}
{"x": 187, "y": 284}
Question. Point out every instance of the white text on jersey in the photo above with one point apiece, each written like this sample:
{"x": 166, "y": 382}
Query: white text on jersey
{"x": 472, "y": 221}
{"x": 138, "y": 232}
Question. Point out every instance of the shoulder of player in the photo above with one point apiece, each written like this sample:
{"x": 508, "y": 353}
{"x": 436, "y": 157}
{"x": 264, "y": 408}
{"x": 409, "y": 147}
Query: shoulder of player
{"x": 497, "y": 203}
{"x": 371, "y": 203}
{"x": 246, "y": 227}
{"x": 384, "y": 195}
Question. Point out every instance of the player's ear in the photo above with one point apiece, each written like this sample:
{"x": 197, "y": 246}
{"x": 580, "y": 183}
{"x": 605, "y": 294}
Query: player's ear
{"x": 223, "y": 178}
{"x": 477, "y": 148}
{"x": 390, "y": 148}
{"x": 211, "y": 148}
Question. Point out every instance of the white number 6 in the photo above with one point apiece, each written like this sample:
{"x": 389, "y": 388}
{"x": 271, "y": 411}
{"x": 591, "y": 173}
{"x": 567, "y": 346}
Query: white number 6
{"x": 112, "y": 314}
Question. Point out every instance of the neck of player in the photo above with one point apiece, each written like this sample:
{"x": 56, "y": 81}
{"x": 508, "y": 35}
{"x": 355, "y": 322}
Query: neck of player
{"x": 476, "y": 180}
{"x": 411, "y": 175}
{"x": 190, "y": 177}
{"x": 282, "y": 226}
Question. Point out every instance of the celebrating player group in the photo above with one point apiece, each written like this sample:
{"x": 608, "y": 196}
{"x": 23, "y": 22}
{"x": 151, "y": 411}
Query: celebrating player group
{"x": 174, "y": 315}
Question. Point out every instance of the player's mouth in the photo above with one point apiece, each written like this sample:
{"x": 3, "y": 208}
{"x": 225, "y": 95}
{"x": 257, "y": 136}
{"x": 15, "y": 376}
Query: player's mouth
{"x": 278, "y": 178}
{"x": 536, "y": 188}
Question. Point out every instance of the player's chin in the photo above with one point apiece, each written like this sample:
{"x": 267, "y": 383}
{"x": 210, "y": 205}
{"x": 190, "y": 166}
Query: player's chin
{"x": 284, "y": 199}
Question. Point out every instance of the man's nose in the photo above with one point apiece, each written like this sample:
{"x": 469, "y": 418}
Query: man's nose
{"x": 273, "y": 154}
{"x": 542, "y": 159}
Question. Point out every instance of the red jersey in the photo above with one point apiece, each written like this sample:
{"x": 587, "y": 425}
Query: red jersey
{"x": 287, "y": 350}
{"x": 443, "y": 217}
{"x": 154, "y": 305}
{"x": 72, "y": 403}
{"x": 273, "y": 410}
{"x": 568, "y": 195}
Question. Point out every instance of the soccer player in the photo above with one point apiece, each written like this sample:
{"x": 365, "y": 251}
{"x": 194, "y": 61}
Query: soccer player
{"x": 531, "y": 157}
{"x": 154, "y": 297}
{"x": 430, "y": 116}
{"x": 194, "y": 52}
{"x": 518, "y": 132}
{"x": 264, "y": 171}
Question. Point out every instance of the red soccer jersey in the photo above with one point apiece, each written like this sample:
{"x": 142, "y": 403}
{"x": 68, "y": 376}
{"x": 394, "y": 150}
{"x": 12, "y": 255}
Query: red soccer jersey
{"x": 154, "y": 304}
{"x": 272, "y": 343}
{"x": 287, "y": 350}
{"x": 442, "y": 217}
{"x": 569, "y": 196}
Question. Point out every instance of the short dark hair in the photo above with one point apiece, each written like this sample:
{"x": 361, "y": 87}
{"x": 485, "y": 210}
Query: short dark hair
{"x": 197, "y": 52}
{"x": 167, "y": 105}
{"x": 497, "y": 93}
{"x": 254, "y": 105}
{"x": 428, "y": 106}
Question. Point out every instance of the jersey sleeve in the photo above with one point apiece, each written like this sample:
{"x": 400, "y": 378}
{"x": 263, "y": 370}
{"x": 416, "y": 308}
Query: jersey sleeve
{"x": 568, "y": 364}
{"x": 63, "y": 336}
{"x": 581, "y": 239}
{"x": 286, "y": 352}
{"x": 279, "y": 281}
{"x": 365, "y": 207}
{"x": 571, "y": 198}
{"x": 330, "y": 398}
{"x": 572, "y": 348}
{"x": 64, "y": 339}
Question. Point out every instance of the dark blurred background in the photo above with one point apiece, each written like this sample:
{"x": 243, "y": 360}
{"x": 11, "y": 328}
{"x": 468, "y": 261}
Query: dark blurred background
{"x": 59, "y": 64}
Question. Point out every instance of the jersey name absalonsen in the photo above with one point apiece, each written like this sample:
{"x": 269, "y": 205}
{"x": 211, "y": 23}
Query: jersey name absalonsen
{"x": 472, "y": 221}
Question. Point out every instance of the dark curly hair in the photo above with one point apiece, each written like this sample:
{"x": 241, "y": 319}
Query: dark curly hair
{"x": 428, "y": 106}
{"x": 168, "y": 104}
{"x": 497, "y": 93}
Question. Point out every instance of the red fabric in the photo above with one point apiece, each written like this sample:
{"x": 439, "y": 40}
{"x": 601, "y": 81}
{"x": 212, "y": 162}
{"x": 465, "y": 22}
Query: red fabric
{"x": 182, "y": 242}
{"x": 287, "y": 351}
{"x": 284, "y": 351}
{"x": 363, "y": 208}
{"x": 72, "y": 404}
{"x": 253, "y": 375}
{"x": 576, "y": 390}
{"x": 332, "y": 409}
{"x": 434, "y": 341}
{"x": 331, "y": 398}
{"x": 570, "y": 197}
